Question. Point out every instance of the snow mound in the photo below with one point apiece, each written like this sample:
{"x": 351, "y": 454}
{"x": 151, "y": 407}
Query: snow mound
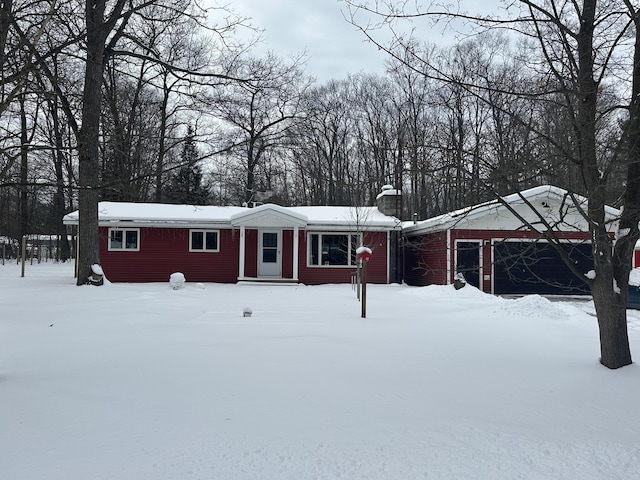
{"x": 536, "y": 306}
{"x": 176, "y": 280}
{"x": 449, "y": 294}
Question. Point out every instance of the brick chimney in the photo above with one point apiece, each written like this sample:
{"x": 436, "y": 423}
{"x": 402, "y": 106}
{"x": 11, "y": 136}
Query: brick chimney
{"x": 389, "y": 201}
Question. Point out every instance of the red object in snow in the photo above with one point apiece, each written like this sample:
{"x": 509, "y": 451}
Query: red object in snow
{"x": 364, "y": 255}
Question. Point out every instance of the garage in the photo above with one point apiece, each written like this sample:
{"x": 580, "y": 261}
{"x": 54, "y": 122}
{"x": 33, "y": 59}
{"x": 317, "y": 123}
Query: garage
{"x": 528, "y": 267}
{"x": 501, "y": 246}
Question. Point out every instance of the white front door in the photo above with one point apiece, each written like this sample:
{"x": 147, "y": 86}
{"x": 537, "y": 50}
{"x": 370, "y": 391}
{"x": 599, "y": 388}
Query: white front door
{"x": 270, "y": 253}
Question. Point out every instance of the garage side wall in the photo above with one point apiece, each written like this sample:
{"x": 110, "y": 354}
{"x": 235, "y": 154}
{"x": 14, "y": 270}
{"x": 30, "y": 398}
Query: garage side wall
{"x": 425, "y": 259}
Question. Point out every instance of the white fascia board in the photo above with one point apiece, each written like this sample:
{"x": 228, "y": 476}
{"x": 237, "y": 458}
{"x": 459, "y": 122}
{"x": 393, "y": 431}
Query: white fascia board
{"x": 164, "y": 224}
{"x": 351, "y": 228}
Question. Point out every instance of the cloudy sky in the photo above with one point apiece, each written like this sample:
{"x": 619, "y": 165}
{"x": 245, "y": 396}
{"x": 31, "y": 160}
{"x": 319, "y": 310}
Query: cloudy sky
{"x": 318, "y": 27}
{"x": 334, "y": 47}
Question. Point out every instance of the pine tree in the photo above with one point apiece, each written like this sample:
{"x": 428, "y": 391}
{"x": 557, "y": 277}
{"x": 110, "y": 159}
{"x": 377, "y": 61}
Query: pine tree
{"x": 186, "y": 185}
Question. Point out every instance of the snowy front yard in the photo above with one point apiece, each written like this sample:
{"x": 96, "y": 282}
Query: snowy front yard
{"x": 142, "y": 382}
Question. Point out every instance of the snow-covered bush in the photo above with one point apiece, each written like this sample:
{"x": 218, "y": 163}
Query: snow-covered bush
{"x": 176, "y": 280}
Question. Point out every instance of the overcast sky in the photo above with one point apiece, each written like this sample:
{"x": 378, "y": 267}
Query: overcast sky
{"x": 334, "y": 47}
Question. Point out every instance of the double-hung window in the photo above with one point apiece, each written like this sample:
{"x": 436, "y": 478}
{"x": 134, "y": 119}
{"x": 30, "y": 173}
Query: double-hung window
{"x": 121, "y": 239}
{"x": 332, "y": 249}
{"x": 204, "y": 241}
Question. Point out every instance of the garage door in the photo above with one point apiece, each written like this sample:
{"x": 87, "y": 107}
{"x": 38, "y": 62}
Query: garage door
{"x": 536, "y": 267}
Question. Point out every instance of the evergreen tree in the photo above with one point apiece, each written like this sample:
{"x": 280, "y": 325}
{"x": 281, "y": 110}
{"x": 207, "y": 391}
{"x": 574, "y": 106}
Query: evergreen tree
{"x": 186, "y": 185}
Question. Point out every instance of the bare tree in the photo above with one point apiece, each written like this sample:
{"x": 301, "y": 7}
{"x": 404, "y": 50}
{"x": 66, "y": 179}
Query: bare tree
{"x": 322, "y": 143}
{"x": 582, "y": 48}
{"x": 105, "y": 26}
{"x": 259, "y": 111}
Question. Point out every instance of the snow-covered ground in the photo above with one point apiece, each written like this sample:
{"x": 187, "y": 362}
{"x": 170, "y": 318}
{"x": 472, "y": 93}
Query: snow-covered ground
{"x": 139, "y": 381}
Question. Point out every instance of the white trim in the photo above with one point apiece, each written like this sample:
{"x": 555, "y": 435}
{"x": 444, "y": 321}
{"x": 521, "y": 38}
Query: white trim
{"x": 296, "y": 250}
{"x": 459, "y": 218}
{"x": 389, "y": 257}
{"x": 493, "y": 267}
{"x": 164, "y": 224}
{"x": 348, "y": 234}
{"x": 448, "y": 257}
{"x": 124, "y": 240}
{"x": 480, "y": 267}
{"x": 349, "y": 228}
{"x": 204, "y": 248}
{"x": 242, "y": 252}
{"x": 269, "y": 216}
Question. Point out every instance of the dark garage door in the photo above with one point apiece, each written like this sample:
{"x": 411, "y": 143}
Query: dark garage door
{"x": 536, "y": 267}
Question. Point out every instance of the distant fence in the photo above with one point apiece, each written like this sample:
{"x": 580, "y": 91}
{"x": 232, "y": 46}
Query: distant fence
{"x": 38, "y": 248}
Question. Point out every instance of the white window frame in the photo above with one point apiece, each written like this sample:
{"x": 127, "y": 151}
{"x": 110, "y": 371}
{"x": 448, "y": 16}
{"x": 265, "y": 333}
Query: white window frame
{"x": 124, "y": 248}
{"x": 204, "y": 248}
{"x": 350, "y": 253}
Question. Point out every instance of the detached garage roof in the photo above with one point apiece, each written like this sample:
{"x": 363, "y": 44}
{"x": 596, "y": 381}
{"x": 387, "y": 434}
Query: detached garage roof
{"x": 167, "y": 215}
{"x": 537, "y": 205}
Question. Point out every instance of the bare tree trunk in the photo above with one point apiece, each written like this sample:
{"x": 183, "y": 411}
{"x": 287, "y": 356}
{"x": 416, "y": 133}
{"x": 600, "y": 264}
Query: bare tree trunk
{"x": 24, "y": 169}
{"x": 610, "y": 304}
{"x": 615, "y": 331}
{"x": 88, "y": 141}
{"x": 6, "y": 8}
{"x": 159, "y": 170}
{"x": 58, "y": 199}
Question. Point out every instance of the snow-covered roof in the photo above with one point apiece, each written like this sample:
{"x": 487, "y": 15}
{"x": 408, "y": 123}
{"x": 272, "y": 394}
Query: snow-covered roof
{"x": 547, "y": 199}
{"x": 310, "y": 217}
{"x": 158, "y": 213}
{"x": 349, "y": 217}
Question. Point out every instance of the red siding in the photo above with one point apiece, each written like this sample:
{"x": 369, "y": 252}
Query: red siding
{"x": 376, "y": 268}
{"x": 164, "y": 251}
{"x": 287, "y": 254}
{"x": 251, "y": 253}
{"x": 425, "y": 259}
